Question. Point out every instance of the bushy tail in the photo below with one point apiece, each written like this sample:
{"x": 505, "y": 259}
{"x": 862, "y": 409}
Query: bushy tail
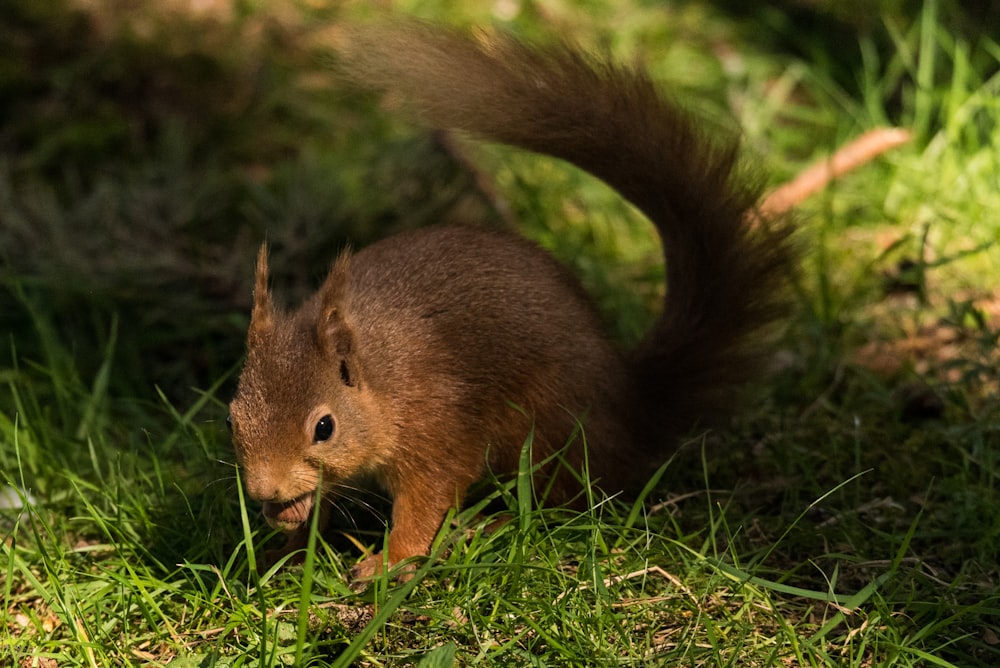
{"x": 725, "y": 265}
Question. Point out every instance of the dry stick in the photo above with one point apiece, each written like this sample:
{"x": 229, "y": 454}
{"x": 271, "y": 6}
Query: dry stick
{"x": 864, "y": 149}
{"x": 779, "y": 201}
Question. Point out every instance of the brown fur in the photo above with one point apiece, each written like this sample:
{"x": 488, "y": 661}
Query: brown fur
{"x": 438, "y": 352}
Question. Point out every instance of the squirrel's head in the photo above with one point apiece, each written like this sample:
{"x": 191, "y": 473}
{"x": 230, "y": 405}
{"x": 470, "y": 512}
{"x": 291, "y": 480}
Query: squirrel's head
{"x": 298, "y": 417}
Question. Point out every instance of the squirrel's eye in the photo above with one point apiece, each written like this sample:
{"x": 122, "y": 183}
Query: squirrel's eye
{"x": 229, "y": 423}
{"x": 324, "y": 429}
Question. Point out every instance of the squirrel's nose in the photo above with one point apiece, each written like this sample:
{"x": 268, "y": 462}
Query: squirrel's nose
{"x": 262, "y": 487}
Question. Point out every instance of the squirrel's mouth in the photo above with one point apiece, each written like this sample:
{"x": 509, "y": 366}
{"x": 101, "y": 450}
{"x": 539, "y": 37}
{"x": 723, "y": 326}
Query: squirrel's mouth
{"x": 290, "y": 515}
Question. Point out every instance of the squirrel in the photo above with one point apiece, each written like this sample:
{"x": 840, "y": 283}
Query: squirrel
{"x": 430, "y": 358}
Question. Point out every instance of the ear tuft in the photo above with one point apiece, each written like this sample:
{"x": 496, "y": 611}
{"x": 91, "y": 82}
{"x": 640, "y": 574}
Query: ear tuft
{"x": 262, "y": 317}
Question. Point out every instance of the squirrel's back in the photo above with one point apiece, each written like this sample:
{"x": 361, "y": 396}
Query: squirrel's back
{"x": 482, "y": 331}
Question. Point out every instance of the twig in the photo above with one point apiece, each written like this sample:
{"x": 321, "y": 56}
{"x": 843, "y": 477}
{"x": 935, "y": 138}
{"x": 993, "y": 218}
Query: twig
{"x": 864, "y": 149}
{"x": 483, "y": 183}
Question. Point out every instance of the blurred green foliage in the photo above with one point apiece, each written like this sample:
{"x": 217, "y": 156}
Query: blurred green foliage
{"x": 146, "y": 155}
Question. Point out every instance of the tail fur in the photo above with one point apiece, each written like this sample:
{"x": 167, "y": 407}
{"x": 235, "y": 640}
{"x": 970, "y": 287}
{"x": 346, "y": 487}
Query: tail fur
{"x": 725, "y": 265}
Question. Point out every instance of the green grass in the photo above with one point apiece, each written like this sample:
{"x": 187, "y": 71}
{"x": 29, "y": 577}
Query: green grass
{"x": 849, "y": 516}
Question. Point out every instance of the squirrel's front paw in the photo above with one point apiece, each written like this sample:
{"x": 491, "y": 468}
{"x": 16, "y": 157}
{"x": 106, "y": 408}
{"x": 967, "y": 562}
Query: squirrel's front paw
{"x": 372, "y": 565}
{"x": 364, "y": 570}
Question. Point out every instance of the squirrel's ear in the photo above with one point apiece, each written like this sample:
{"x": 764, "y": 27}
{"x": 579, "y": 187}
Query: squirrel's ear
{"x": 262, "y": 318}
{"x": 333, "y": 332}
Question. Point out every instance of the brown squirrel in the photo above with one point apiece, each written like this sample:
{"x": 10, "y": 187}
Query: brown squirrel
{"x": 430, "y": 358}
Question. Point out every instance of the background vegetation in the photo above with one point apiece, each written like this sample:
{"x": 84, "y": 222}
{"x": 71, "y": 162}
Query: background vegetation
{"x": 850, "y": 516}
